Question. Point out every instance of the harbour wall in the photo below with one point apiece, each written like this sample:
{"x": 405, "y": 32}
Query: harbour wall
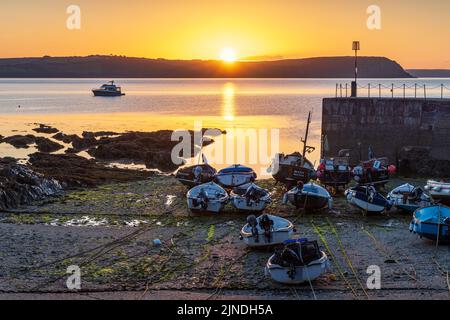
{"x": 394, "y": 127}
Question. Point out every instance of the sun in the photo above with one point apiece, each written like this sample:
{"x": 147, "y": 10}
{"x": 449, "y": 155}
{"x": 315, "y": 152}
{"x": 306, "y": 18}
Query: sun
{"x": 228, "y": 55}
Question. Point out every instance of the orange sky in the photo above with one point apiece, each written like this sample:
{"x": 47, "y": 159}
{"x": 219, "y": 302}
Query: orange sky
{"x": 414, "y": 33}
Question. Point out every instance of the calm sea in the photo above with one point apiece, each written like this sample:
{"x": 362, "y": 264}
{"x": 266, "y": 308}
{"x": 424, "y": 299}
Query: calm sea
{"x": 152, "y": 104}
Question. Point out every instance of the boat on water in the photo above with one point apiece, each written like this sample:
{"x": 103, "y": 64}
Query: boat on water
{"x": 292, "y": 168}
{"x": 432, "y": 223}
{"x": 310, "y": 196}
{"x": 195, "y": 175}
{"x": 208, "y": 197}
{"x": 439, "y": 191}
{"x": 235, "y": 176}
{"x": 266, "y": 230}
{"x": 108, "y": 90}
{"x": 298, "y": 262}
{"x": 368, "y": 199}
{"x": 409, "y": 198}
{"x": 250, "y": 197}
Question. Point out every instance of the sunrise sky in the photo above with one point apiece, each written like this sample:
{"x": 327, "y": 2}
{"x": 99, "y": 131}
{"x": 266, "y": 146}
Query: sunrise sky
{"x": 415, "y": 33}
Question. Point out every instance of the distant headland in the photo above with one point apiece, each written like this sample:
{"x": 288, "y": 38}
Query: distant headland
{"x": 99, "y": 66}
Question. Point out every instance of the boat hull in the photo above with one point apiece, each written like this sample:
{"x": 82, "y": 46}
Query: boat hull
{"x": 311, "y": 197}
{"x": 100, "y": 93}
{"x": 302, "y": 273}
{"x": 362, "y": 201}
{"x": 241, "y": 204}
{"x": 230, "y": 180}
{"x": 214, "y": 206}
{"x": 426, "y": 223}
{"x": 282, "y": 230}
{"x": 187, "y": 177}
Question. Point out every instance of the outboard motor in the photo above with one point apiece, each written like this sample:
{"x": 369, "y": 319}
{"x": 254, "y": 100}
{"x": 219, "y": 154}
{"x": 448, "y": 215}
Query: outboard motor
{"x": 253, "y": 223}
{"x": 266, "y": 224}
{"x": 203, "y": 197}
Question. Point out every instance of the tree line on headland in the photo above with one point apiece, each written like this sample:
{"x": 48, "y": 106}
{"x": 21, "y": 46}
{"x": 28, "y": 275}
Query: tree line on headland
{"x": 123, "y": 67}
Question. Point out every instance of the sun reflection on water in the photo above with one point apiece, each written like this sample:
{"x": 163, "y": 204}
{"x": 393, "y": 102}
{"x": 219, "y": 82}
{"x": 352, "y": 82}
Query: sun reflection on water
{"x": 228, "y": 97}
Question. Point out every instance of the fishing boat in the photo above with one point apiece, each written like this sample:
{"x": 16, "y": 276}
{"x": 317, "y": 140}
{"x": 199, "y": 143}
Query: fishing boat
{"x": 374, "y": 172}
{"x": 368, "y": 199}
{"x": 108, "y": 90}
{"x": 195, "y": 175}
{"x": 432, "y": 223}
{"x": 266, "y": 230}
{"x": 310, "y": 196}
{"x": 250, "y": 197}
{"x": 334, "y": 173}
{"x": 235, "y": 176}
{"x": 208, "y": 197}
{"x": 409, "y": 198}
{"x": 292, "y": 168}
{"x": 439, "y": 191}
{"x": 298, "y": 262}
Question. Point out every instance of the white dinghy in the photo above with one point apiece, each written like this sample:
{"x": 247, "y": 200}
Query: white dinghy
{"x": 439, "y": 191}
{"x": 298, "y": 262}
{"x": 266, "y": 230}
{"x": 208, "y": 197}
{"x": 250, "y": 197}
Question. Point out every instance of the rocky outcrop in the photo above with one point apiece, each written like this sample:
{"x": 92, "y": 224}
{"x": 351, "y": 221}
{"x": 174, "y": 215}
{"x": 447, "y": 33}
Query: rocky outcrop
{"x": 19, "y": 185}
{"x": 415, "y": 160}
{"x": 42, "y": 144}
{"x": 45, "y": 129}
{"x": 73, "y": 171}
{"x": 154, "y": 149}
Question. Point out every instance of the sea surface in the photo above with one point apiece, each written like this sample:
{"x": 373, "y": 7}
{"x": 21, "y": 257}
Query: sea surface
{"x": 276, "y": 109}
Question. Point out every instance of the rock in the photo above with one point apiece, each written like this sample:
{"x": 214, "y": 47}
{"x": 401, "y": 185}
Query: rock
{"x": 42, "y": 144}
{"x": 45, "y": 129}
{"x": 75, "y": 171}
{"x": 19, "y": 185}
{"x": 154, "y": 149}
{"x": 47, "y": 145}
{"x": 19, "y": 141}
{"x": 66, "y": 138}
{"x": 414, "y": 160}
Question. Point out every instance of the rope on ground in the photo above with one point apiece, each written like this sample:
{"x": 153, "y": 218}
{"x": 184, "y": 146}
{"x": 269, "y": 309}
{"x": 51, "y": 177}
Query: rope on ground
{"x": 349, "y": 262}
{"x": 338, "y": 266}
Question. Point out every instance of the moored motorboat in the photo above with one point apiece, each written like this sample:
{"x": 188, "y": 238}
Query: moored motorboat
{"x": 235, "y": 176}
{"x": 195, "y": 175}
{"x": 208, "y": 197}
{"x": 250, "y": 197}
{"x": 368, "y": 199}
{"x": 298, "y": 262}
{"x": 432, "y": 223}
{"x": 310, "y": 196}
{"x": 108, "y": 90}
{"x": 266, "y": 230}
{"x": 439, "y": 191}
{"x": 409, "y": 198}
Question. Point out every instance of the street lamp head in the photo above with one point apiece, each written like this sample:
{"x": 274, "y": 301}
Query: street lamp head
{"x": 356, "y": 45}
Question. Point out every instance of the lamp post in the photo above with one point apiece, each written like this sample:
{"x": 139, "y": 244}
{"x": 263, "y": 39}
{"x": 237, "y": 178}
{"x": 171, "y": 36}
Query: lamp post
{"x": 356, "y": 48}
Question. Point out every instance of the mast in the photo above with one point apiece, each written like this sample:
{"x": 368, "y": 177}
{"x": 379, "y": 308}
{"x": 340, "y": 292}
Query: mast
{"x": 305, "y": 147}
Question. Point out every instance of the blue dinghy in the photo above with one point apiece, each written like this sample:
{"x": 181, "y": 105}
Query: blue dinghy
{"x": 431, "y": 221}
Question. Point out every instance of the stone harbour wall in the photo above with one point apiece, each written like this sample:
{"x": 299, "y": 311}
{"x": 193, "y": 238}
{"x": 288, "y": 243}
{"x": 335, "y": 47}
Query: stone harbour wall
{"x": 401, "y": 129}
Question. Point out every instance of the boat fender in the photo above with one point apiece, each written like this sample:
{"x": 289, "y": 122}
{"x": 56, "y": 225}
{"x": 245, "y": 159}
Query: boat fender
{"x": 330, "y": 203}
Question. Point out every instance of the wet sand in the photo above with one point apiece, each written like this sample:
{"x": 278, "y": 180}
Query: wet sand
{"x": 108, "y": 231}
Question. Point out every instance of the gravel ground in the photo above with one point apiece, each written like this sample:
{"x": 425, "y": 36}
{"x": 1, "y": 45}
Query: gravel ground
{"x": 109, "y": 231}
